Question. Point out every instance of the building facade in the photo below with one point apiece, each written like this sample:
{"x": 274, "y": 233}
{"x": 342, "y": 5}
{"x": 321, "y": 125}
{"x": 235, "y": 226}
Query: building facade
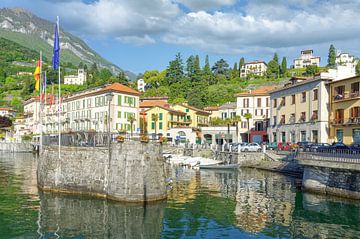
{"x": 196, "y": 117}
{"x": 227, "y": 110}
{"x": 253, "y": 68}
{"x": 256, "y": 103}
{"x": 307, "y": 59}
{"x": 141, "y": 85}
{"x": 345, "y": 110}
{"x": 78, "y": 79}
{"x": 8, "y": 112}
{"x": 299, "y": 111}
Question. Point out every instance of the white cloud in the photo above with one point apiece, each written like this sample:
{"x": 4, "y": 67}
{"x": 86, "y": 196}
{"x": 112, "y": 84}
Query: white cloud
{"x": 206, "y": 4}
{"x": 135, "y": 40}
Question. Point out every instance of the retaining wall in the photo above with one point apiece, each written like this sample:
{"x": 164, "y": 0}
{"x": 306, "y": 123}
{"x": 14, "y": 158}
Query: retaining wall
{"x": 15, "y": 147}
{"x": 135, "y": 172}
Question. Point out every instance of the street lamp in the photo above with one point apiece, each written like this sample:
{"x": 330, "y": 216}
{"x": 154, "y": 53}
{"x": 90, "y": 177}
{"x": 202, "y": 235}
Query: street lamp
{"x": 109, "y": 96}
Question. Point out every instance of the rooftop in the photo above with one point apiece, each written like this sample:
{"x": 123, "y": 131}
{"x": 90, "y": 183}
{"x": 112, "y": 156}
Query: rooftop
{"x": 258, "y": 92}
{"x": 211, "y": 108}
{"x": 151, "y": 103}
{"x": 168, "y": 109}
{"x": 229, "y": 105}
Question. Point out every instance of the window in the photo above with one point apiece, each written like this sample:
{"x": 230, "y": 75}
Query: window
{"x": 314, "y": 115}
{"x": 339, "y": 116}
{"x": 355, "y": 114}
{"x": 267, "y": 102}
{"x": 315, "y": 94}
{"x": 293, "y": 99}
{"x": 119, "y": 99}
{"x": 160, "y": 125}
{"x": 274, "y": 137}
{"x": 187, "y": 110}
{"x": 354, "y": 89}
{"x": 292, "y": 118}
{"x": 315, "y": 136}
{"x": 282, "y": 121}
{"x": 246, "y": 103}
{"x": 282, "y": 101}
{"x": 339, "y": 92}
{"x": 303, "y": 97}
{"x": 302, "y": 117}
{"x": 274, "y": 120}
{"x": 259, "y": 102}
{"x": 275, "y": 103}
{"x": 303, "y": 136}
{"x": 356, "y": 135}
{"x": 153, "y": 125}
{"x": 119, "y": 114}
{"x": 283, "y": 137}
{"x": 339, "y": 135}
{"x": 160, "y": 116}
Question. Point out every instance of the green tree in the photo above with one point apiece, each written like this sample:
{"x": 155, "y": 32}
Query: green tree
{"x": 5, "y": 122}
{"x": 276, "y": 58}
{"x": 175, "y": 70}
{"x": 241, "y": 64}
{"x": 122, "y": 78}
{"x": 81, "y": 65}
{"x": 273, "y": 69}
{"x": 358, "y": 68}
{"x": 331, "y": 56}
{"x": 283, "y": 66}
{"x": 220, "y": 67}
{"x": 311, "y": 70}
{"x": 236, "y": 120}
{"x": 216, "y": 121}
{"x": 228, "y": 122}
{"x": 234, "y": 71}
{"x": 248, "y": 116}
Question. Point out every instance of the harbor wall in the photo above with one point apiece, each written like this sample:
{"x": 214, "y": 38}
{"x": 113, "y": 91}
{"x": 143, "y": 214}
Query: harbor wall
{"x": 15, "y": 147}
{"x": 334, "y": 181}
{"x": 134, "y": 172}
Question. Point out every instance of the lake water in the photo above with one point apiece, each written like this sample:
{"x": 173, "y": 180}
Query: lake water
{"x": 201, "y": 204}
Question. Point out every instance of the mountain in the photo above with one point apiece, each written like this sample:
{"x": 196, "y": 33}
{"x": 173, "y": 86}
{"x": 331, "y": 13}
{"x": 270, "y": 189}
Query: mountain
{"x": 30, "y": 31}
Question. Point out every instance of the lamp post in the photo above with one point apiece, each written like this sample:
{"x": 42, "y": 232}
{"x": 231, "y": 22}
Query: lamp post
{"x": 109, "y": 96}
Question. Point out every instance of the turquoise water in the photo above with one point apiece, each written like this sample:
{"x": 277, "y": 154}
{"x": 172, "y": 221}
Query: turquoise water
{"x": 201, "y": 204}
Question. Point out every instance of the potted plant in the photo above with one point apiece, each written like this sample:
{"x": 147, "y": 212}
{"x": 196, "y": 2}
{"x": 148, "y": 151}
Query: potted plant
{"x": 120, "y": 139}
{"x": 144, "y": 139}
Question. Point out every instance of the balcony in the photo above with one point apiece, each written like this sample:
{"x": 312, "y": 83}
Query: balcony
{"x": 314, "y": 117}
{"x": 302, "y": 119}
{"x": 353, "y": 121}
{"x": 282, "y": 121}
{"x": 346, "y": 96}
{"x": 354, "y": 94}
{"x": 292, "y": 120}
{"x": 339, "y": 121}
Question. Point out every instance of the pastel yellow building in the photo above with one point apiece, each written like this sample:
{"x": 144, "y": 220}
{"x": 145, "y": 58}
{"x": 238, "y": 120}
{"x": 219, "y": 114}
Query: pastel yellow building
{"x": 196, "y": 117}
{"x": 159, "y": 119}
{"x": 345, "y": 110}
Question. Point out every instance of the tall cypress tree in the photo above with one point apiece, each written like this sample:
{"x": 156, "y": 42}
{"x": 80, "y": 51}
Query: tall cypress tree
{"x": 175, "y": 70}
{"x": 276, "y": 58}
{"x": 331, "y": 56}
{"x": 234, "y": 71}
{"x": 283, "y": 66}
{"x": 241, "y": 64}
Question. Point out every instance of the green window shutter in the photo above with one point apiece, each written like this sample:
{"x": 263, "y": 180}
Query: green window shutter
{"x": 152, "y": 125}
{"x": 160, "y": 116}
{"x": 187, "y": 110}
{"x": 119, "y": 99}
{"x": 160, "y": 125}
{"x": 172, "y": 117}
{"x": 119, "y": 114}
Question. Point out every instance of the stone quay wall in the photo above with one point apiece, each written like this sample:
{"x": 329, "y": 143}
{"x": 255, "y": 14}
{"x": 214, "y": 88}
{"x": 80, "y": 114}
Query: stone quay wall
{"x": 135, "y": 171}
{"x": 334, "y": 181}
{"x": 15, "y": 147}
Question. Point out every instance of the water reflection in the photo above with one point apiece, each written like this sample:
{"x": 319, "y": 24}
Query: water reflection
{"x": 202, "y": 204}
{"x": 73, "y": 217}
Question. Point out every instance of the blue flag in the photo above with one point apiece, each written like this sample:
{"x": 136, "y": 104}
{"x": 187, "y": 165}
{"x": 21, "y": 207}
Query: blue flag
{"x": 56, "y": 54}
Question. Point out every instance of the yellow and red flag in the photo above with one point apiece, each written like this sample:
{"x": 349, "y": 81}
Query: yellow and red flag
{"x": 37, "y": 76}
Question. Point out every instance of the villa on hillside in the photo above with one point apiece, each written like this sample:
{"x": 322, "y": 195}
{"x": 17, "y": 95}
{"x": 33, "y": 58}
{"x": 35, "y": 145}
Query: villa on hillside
{"x": 255, "y": 68}
{"x": 78, "y": 79}
{"x": 307, "y": 59}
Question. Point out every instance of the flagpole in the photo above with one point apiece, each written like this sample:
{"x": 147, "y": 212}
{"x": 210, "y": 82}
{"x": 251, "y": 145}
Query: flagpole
{"x": 59, "y": 109}
{"x": 40, "y": 109}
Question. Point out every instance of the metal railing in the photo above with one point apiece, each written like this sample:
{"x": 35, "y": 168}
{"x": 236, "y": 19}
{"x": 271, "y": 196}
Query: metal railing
{"x": 345, "y": 156}
{"x": 91, "y": 139}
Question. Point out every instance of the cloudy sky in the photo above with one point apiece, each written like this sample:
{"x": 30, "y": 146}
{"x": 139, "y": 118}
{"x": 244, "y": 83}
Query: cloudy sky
{"x": 145, "y": 34}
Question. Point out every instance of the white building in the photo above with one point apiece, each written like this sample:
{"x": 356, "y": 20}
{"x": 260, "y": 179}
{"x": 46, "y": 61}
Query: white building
{"x": 141, "y": 85}
{"x": 306, "y": 59}
{"x": 256, "y": 68}
{"x": 7, "y": 112}
{"x": 227, "y": 110}
{"x": 86, "y": 111}
{"x": 78, "y": 79}
{"x": 257, "y": 103}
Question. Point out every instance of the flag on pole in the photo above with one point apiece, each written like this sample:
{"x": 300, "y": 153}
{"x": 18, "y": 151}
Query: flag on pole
{"x": 37, "y": 76}
{"x": 56, "y": 54}
{"x": 43, "y": 87}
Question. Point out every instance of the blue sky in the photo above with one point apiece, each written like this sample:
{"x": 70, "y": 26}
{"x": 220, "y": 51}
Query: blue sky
{"x": 139, "y": 35}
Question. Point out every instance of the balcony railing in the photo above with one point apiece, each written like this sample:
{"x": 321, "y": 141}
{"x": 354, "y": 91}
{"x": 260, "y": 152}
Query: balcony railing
{"x": 354, "y": 94}
{"x": 353, "y": 120}
{"x": 337, "y": 121}
{"x": 344, "y": 96}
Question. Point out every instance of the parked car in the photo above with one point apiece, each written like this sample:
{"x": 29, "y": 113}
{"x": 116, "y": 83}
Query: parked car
{"x": 252, "y": 147}
{"x": 284, "y": 146}
{"x": 335, "y": 148}
{"x": 239, "y": 145}
{"x": 304, "y": 145}
{"x": 272, "y": 146}
{"x": 355, "y": 148}
{"x": 314, "y": 147}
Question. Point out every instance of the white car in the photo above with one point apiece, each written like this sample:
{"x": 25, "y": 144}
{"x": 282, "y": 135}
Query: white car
{"x": 253, "y": 147}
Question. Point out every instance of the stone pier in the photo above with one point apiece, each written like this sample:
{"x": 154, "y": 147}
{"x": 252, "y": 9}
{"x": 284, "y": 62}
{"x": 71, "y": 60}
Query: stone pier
{"x": 135, "y": 172}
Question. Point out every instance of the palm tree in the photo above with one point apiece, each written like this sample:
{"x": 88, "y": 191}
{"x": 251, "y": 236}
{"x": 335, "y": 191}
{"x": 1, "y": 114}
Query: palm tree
{"x": 131, "y": 119}
{"x": 236, "y": 120}
{"x": 155, "y": 118}
{"x": 248, "y": 116}
{"x": 216, "y": 121}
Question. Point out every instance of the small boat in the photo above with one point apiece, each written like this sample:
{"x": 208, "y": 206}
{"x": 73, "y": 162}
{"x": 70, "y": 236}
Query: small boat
{"x": 220, "y": 166}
